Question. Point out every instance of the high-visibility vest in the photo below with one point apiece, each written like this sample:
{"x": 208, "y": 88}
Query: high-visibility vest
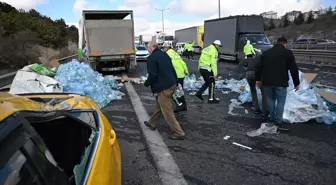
{"x": 248, "y": 49}
{"x": 209, "y": 59}
{"x": 179, "y": 65}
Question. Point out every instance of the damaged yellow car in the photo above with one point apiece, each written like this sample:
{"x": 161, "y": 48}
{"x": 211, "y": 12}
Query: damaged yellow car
{"x": 56, "y": 139}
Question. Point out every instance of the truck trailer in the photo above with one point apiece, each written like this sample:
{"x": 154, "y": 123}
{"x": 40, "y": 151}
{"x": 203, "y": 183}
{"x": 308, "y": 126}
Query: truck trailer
{"x": 233, "y": 32}
{"x": 108, "y": 38}
{"x": 144, "y": 39}
{"x": 192, "y": 34}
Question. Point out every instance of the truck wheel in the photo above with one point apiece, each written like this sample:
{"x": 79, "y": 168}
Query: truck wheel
{"x": 127, "y": 65}
{"x": 93, "y": 66}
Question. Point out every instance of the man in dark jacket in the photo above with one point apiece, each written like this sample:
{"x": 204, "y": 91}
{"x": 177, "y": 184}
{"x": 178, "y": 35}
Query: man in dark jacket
{"x": 162, "y": 79}
{"x": 273, "y": 75}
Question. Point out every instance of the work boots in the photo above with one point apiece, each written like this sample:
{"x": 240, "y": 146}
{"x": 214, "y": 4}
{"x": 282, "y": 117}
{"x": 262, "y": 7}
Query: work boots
{"x": 213, "y": 101}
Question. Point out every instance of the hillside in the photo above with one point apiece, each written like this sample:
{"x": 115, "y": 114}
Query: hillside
{"x": 27, "y": 35}
{"x": 322, "y": 27}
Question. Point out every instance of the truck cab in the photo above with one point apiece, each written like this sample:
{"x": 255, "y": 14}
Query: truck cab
{"x": 259, "y": 41}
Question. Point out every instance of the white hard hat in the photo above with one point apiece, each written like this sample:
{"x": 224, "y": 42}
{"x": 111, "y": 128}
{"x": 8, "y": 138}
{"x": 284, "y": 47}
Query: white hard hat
{"x": 248, "y": 42}
{"x": 160, "y": 41}
{"x": 218, "y": 42}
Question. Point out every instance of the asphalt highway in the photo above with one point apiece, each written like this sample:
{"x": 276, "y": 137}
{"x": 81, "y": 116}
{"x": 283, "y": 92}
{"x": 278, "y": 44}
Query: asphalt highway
{"x": 303, "y": 156}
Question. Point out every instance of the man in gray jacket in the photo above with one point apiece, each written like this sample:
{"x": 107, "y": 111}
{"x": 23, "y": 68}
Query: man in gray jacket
{"x": 252, "y": 65}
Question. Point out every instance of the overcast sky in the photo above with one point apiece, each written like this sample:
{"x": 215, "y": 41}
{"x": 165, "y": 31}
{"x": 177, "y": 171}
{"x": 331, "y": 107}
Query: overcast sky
{"x": 181, "y": 13}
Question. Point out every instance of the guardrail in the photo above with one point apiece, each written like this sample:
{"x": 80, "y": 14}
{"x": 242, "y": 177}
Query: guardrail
{"x": 8, "y": 78}
{"x": 324, "y": 56}
{"x": 312, "y": 46}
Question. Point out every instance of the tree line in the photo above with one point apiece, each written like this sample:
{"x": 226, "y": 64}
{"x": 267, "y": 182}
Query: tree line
{"x": 299, "y": 19}
{"x": 21, "y": 31}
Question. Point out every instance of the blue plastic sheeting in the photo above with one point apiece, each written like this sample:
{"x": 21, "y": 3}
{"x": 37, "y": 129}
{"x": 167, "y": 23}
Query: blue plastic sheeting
{"x": 80, "y": 78}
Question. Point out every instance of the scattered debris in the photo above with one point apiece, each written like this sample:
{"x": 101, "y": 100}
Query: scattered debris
{"x": 226, "y": 137}
{"x": 234, "y": 104}
{"x": 264, "y": 128}
{"x": 304, "y": 105}
{"x": 225, "y": 92}
{"x": 243, "y": 146}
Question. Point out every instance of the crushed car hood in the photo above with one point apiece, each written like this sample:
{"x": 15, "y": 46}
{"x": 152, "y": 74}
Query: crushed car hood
{"x": 10, "y": 103}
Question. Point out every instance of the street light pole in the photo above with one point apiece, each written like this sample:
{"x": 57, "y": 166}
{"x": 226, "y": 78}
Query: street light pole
{"x": 219, "y": 6}
{"x": 162, "y": 10}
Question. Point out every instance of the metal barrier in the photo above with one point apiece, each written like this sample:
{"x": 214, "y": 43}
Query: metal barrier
{"x": 315, "y": 53}
{"x": 8, "y": 78}
{"x": 312, "y": 46}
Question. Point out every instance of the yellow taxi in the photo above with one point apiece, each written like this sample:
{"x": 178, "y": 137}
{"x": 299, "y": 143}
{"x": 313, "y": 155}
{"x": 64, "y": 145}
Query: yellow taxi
{"x": 56, "y": 139}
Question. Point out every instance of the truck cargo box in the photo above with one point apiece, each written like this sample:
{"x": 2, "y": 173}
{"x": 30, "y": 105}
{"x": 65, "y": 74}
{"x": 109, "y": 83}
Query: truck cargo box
{"x": 108, "y": 33}
{"x": 227, "y": 30}
{"x": 186, "y": 35}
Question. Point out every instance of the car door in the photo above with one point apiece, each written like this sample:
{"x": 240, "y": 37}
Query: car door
{"x": 22, "y": 161}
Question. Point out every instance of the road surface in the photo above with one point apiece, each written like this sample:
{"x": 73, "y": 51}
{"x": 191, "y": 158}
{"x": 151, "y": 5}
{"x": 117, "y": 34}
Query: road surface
{"x": 303, "y": 156}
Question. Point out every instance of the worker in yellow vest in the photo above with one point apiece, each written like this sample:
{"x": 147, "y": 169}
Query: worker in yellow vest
{"x": 188, "y": 48}
{"x": 207, "y": 65}
{"x": 249, "y": 50}
{"x": 181, "y": 70}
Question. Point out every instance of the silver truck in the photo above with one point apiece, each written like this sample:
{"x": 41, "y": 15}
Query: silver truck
{"x": 108, "y": 39}
{"x": 233, "y": 32}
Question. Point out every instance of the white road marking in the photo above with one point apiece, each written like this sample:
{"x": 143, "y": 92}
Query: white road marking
{"x": 169, "y": 171}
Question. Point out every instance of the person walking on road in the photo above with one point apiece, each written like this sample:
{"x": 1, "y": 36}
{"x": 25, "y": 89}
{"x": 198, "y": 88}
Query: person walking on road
{"x": 181, "y": 70}
{"x": 249, "y": 50}
{"x": 162, "y": 80}
{"x": 207, "y": 65}
{"x": 252, "y": 65}
{"x": 273, "y": 76}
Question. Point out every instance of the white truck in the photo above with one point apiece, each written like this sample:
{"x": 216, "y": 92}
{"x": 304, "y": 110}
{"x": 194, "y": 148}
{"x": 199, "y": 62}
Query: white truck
{"x": 160, "y": 36}
{"x": 108, "y": 39}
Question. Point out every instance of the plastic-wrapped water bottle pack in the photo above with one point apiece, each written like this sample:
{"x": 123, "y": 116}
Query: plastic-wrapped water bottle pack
{"x": 300, "y": 106}
{"x": 80, "y": 78}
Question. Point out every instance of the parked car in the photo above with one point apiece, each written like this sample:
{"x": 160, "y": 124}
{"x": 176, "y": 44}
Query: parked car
{"x": 141, "y": 53}
{"x": 305, "y": 41}
{"x": 56, "y": 139}
{"x": 326, "y": 41}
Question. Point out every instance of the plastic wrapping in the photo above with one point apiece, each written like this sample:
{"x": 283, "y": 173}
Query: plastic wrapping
{"x": 300, "y": 106}
{"x": 265, "y": 128}
{"x": 80, "y": 78}
{"x": 28, "y": 81}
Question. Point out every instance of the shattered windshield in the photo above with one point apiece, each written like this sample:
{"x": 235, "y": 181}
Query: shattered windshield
{"x": 141, "y": 48}
{"x": 168, "y": 38}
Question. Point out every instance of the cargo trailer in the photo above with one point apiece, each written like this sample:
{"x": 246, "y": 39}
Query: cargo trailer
{"x": 108, "y": 37}
{"x": 192, "y": 34}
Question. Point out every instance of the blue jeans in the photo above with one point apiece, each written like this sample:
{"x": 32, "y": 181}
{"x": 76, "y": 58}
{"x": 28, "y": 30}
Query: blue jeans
{"x": 276, "y": 99}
